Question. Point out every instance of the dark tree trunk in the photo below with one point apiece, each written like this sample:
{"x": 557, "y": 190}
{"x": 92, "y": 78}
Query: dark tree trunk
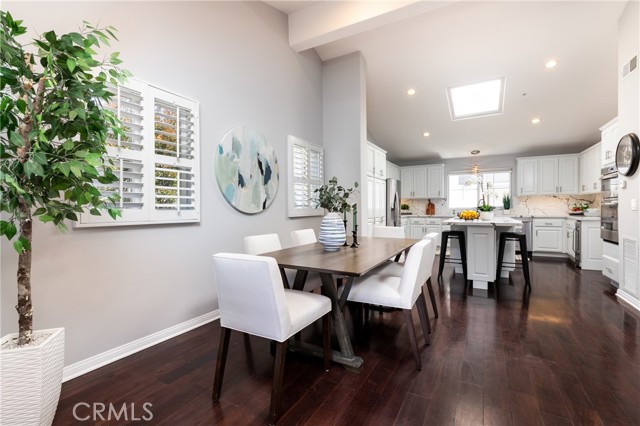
{"x": 24, "y": 308}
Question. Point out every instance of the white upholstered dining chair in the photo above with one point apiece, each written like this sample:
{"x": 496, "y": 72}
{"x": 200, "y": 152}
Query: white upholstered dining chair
{"x": 259, "y": 244}
{"x": 253, "y": 300}
{"x": 402, "y": 292}
{"x": 388, "y": 231}
{"x": 303, "y": 236}
{"x": 395, "y": 268}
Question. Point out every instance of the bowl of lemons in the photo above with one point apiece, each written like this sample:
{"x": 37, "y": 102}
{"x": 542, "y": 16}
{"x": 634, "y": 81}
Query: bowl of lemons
{"x": 468, "y": 215}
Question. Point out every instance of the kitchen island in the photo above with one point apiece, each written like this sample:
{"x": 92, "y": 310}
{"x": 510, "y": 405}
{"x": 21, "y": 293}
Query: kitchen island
{"x": 482, "y": 248}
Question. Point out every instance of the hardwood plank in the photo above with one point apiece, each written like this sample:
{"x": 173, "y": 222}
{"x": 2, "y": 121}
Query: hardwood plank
{"x": 571, "y": 358}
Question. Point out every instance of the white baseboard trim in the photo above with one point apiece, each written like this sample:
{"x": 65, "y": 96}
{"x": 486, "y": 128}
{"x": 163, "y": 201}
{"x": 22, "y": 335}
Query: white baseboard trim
{"x": 628, "y": 299}
{"x": 92, "y": 363}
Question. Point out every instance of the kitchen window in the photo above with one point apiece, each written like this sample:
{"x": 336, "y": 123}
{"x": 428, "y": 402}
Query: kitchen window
{"x": 466, "y": 188}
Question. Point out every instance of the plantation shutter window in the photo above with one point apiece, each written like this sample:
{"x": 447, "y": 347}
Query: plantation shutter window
{"x": 306, "y": 163}
{"x": 174, "y": 156}
{"x": 156, "y": 160}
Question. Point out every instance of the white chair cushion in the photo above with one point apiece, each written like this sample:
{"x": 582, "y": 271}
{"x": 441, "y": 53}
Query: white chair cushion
{"x": 378, "y": 290}
{"x": 304, "y": 308}
{"x": 258, "y": 244}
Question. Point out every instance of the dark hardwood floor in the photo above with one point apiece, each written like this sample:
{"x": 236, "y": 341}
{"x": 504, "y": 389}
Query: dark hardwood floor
{"x": 570, "y": 358}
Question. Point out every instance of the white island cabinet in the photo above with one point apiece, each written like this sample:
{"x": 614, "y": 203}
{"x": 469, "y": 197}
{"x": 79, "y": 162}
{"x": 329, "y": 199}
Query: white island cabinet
{"x": 482, "y": 238}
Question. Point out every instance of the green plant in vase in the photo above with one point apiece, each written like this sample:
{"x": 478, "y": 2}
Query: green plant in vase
{"x": 335, "y": 199}
{"x": 506, "y": 201}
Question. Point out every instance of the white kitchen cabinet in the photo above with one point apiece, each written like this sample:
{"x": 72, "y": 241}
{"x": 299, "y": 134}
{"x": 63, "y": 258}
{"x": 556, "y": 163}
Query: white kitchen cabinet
{"x": 548, "y": 175}
{"x": 568, "y": 176}
{"x": 590, "y": 246}
{"x": 435, "y": 181}
{"x": 610, "y": 261}
{"x": 376, "y": 203}
{"x": 558, "y": 174}
{"x": 590, "y": 165}
{"x": 569, "y": 231}
{"x": 404, "y": 222}
{"x": 527, "y": 176}
{"x": 393, "y": 171}
{"x": 376, "y": 161}
{"x": 414, "y": 182}
{"x": 548, "y": 235}
{"x": 421, "y": 226}
{"x": 610, "y": 138}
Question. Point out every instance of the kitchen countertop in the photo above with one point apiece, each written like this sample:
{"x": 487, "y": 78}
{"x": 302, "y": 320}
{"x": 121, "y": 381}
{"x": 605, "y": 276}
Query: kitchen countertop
{"x": 496, "y": 221}
{"x": 567, "y": 216}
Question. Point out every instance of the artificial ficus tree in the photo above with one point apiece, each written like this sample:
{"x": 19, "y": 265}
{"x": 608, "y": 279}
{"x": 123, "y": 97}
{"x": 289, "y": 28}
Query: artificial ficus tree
{"x": 53, "y": 132}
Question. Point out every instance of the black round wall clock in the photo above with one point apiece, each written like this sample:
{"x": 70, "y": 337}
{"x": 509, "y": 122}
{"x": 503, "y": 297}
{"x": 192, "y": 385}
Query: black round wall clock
{"x": 628, "y": 154}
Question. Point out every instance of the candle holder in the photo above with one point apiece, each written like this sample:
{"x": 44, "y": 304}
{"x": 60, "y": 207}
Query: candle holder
{"x": 345, "y": 233}
{"x": 355, "y": 237}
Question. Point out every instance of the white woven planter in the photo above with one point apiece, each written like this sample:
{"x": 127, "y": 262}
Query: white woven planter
{"x": 31, "y": 378}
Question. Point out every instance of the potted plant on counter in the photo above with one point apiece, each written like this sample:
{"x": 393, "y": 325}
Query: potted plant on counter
{"x": 335, "y": 199}
{"x": 506, "y": 204}
{"x": 53, "y": 132}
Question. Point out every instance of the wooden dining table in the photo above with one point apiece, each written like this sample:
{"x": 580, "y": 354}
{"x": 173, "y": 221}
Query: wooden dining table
{"x": 345, "y": 264}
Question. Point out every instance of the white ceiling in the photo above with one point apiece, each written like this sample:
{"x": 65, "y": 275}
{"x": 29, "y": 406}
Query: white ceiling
{"x": 465, "y": 42}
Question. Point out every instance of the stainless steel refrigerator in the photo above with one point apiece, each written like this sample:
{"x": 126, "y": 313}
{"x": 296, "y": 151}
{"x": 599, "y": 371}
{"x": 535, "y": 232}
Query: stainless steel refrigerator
{"x": 393, "y": 202}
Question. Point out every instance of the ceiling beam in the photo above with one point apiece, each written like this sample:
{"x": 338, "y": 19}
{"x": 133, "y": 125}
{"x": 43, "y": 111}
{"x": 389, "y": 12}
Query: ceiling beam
{"x": 325, "y": 22}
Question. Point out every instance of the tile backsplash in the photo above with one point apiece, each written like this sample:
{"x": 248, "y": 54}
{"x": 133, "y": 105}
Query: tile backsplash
{"x": 539, "y": 205}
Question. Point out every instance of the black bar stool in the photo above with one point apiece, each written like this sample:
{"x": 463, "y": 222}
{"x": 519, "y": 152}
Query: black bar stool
{"x": 456, "y": 235}
{"x": 524, "y": 264}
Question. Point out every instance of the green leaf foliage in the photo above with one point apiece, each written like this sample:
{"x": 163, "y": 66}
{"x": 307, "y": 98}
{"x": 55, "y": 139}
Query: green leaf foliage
{"x": 54, "y": 125}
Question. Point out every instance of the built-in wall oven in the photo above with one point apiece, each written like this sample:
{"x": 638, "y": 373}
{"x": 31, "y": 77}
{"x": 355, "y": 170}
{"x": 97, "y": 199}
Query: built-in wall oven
{"x": 609, "y": 208}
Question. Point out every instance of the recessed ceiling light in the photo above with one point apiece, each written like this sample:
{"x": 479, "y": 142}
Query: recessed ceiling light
{"x": 552, "y": 63}
{"x": 426, "y": 134}
{"x": 535, "y": 120}
{"x": 475, "y": 152}
{"x": 411, "y": 92}
{"x": 476, "y": 100}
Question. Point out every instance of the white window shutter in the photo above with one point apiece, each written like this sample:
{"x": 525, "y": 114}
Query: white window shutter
{"x": 156, "y": 161}
{"x": 306, "y": 173}
{"x": 175, "y": 161}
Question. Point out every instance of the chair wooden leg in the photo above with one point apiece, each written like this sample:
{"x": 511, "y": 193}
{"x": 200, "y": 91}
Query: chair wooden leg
{"x": 278, "y": 375}
{"x": 432, "y": 296}
{"x": 412, "y": 337}
{"x": 223, "y": 348}
{"x": 423, "y": 313}
{"x": 326, "y": 341}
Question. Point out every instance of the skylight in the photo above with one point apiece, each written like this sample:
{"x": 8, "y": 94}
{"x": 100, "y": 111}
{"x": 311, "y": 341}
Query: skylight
{"x": 476, "y": 100}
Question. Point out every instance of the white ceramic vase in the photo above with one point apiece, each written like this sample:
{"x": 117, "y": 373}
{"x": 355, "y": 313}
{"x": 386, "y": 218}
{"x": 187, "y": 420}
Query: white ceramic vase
{"x": 332, "y": 235}
{"x": 486, "y": 215}
{"x": 31, "y": 378}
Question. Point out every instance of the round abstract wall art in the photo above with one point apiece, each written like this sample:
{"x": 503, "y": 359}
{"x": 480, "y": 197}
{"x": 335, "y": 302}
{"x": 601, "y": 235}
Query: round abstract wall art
{"x": 247, "y": 170}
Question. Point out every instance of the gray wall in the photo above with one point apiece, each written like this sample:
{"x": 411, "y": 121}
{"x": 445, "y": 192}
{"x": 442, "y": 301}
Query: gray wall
{"x": 108, "y": 287}
{"x": 344, "y": 122}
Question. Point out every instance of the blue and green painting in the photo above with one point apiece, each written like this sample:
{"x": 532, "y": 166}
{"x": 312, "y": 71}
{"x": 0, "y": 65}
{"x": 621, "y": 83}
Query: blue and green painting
{"x": 246, "y": 169}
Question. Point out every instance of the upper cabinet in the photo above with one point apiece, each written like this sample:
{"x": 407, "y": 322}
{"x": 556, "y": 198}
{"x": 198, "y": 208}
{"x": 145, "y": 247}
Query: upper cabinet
{"x": 590, "y": 165}
{"x": 393, "y": 171}
{"x": 548, "y": 175}
{"x": 376, "y": 161}
{"x": 527, "y": 176}
{"x": 422, "y": 181}
{"x": 610, "y": 137}
{"x": 435, "y": 181}
{"x": 414, "y": 182}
